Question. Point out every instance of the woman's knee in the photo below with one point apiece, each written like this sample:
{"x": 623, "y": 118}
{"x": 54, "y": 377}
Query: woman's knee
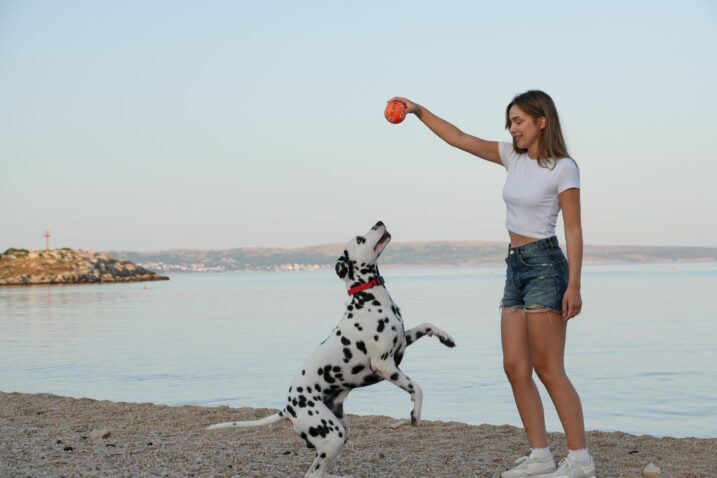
{"x": 517, "y": 371}
{"x": 550, "y": 374}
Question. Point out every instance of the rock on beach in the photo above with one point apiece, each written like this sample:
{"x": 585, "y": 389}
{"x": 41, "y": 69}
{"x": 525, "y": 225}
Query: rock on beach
{"x": 49, "y": 436}
{"x": 68, "y": 266}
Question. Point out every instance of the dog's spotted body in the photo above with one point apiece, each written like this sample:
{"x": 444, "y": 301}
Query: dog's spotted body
{"x": 364, "y": 348}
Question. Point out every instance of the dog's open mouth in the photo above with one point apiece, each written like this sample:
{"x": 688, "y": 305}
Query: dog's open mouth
{"x": 382, "y": 243}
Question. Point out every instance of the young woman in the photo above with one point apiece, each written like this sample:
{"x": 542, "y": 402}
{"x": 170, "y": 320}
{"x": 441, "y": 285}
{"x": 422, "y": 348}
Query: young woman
{"x": 542, "y": 287}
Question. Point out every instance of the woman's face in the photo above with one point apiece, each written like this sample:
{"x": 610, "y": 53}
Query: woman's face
{"x": 523, "y": 127}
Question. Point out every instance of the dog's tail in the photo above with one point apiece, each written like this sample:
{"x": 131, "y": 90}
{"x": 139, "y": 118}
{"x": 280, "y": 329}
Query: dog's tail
{"x": 277, "y": 417}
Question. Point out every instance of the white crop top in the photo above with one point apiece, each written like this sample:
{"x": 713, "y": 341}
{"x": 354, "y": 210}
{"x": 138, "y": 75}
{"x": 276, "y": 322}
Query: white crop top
{"x": 531, "y": 192}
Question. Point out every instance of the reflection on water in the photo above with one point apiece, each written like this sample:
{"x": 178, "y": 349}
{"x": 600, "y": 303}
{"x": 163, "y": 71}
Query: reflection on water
{"x": 641, "y": 354}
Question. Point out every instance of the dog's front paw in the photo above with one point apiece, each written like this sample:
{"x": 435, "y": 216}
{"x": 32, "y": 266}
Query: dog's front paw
{"x": 447, "y": 340}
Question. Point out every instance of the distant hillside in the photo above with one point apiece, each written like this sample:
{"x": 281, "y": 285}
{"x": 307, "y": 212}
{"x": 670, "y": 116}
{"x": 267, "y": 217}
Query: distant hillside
{"x": 449, "y": 253}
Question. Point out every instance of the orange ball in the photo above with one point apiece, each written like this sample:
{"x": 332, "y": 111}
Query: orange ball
{"x": 395, "y": 112}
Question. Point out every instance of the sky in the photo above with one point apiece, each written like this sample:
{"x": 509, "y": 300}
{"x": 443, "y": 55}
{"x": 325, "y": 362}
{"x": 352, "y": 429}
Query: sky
{"x": 161, "y": 125}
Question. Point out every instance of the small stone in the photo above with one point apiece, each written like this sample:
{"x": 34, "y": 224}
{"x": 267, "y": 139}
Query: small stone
{"x": 651, "y": 471}
{"x": 68, "y": 448}
{"x": 96, "y": 434}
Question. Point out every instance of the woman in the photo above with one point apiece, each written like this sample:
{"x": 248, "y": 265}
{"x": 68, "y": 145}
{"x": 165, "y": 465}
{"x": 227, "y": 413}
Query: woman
{"x": 542, "y": 288}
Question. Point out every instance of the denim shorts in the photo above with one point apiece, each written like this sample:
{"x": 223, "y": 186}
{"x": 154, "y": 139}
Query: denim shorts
{"x": 536, "y": 276}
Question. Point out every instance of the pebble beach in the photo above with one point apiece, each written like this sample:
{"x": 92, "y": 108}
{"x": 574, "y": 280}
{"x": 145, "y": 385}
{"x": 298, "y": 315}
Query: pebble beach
{"x": 45, "y": 435}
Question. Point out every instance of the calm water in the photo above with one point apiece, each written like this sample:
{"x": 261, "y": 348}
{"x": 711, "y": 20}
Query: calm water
{"x": 642, "y": 353}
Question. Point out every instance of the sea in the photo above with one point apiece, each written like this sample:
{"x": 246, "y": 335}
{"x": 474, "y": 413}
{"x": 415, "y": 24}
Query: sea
{"x": 641, "y": 354}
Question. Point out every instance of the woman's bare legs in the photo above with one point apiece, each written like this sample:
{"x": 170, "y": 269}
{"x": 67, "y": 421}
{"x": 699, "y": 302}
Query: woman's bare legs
{"x": 546, "y": 335}
{"x": 518, "y": 366}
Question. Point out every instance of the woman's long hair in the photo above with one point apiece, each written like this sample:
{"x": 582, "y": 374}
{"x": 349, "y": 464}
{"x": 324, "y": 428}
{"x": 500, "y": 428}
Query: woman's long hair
{"x": 537, "y": 104}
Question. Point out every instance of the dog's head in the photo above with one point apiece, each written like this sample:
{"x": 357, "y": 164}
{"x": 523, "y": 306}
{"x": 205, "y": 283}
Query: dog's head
{"x": 358, "y": 262}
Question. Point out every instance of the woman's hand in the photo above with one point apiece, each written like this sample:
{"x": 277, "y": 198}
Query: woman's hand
{"x": 572, "y": 303}
{"x": 411, "y": 107}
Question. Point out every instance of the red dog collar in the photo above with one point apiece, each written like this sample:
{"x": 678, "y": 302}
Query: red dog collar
{"x": 367, "y": 285}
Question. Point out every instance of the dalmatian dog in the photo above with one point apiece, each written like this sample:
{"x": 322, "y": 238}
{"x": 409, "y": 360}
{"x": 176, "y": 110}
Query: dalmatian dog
{"x": 365, "y": 347}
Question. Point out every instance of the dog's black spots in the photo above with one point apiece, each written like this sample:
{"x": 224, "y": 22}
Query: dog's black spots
{"x": 311, "y": 414}
{"x": 393, "y": 327}
{"x": 380, "y": 311}
{"x": 341, "y": 435}
{"x": 350, "y": 307}
{"x": 419, "y": 335}
{"x": 428, "y": 329}
{"x": 321, "y": 430}
{"x": 327, "y": 374}
{"x": 361, "y": 346}
{"x": 381, "y": 325}
{"x": 302, "y": 401}
{"x": 345, "y": 341}
{"x": 375, "y": 302}
{"x": 308, "y": 389}
{"x": 295, "y": 402}
{"x": 394, "y": 376}
{"x": 357, "y": 369}
{"x": 338, "y": 333}
{"x": 281, "y": 414}
{"x": 337, "y": 368}
{"x": 360, "y": 240}
{"x": 370, "y": 379}
{"x": 395, "y": 339}
{"x": 290, "y": 409}
{"x": 323, "y": 455}
{"x": 347, "y": 354}
{"x": 409, "y": 340}
{"x": 410, "y": 385}
{"x": 350, "y": 316}
{"x": 290, "y": 388}
{"x": 311, "y": 404}
{"x": 299, "y": 389}
{"x": 323, "y": 421}
{"x": 383, "y": 357}
{"x": 317, "y": 387}
{"x": 320, "y": 371}
{"x": 397, "y": 359}
{"x": 375, "y": 337}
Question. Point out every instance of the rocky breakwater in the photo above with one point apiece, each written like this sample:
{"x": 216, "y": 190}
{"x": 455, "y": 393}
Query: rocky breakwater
{"x": 68, "y": 266}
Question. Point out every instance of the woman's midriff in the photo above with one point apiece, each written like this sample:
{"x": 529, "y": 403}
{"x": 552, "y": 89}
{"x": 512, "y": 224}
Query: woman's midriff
{"x": 516, "y": 240}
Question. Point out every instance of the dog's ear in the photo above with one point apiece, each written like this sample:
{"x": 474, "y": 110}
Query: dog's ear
{"x": 341, "y": 268}
{"x": 344, "y": 266}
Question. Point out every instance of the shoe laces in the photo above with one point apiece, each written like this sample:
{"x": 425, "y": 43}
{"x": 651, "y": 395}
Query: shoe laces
{"x": 565, "y": 463}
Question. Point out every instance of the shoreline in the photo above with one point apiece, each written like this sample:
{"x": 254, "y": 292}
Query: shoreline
{"x": 49, "y": 435}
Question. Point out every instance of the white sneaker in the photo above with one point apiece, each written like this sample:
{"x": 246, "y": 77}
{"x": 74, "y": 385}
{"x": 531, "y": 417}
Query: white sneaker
{"x": 572, "y": 469}
{"x": 530, "y": 467}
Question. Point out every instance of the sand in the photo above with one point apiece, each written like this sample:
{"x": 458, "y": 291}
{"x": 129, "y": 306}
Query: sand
{"x": 46, "y": 435}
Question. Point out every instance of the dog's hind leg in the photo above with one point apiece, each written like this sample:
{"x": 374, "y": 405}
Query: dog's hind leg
{"x": 389, "y": 371}
{"x": 326, "y": 432}
{"x": 428, "y": 329}
{"x": 336, "y": 405}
